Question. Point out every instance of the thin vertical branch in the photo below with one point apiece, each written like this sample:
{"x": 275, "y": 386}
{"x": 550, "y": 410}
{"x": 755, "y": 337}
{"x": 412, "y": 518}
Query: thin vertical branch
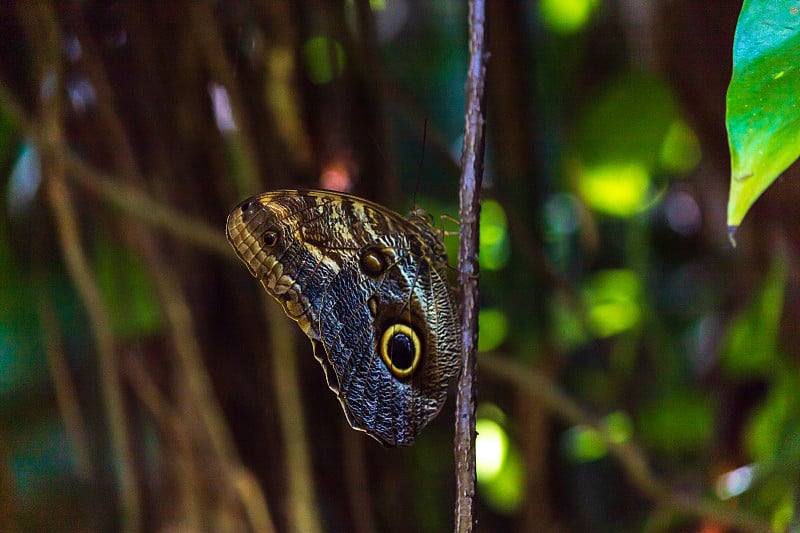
{"x": 372, "y": 70}
{"x": 301, "y": 501}
{"x": 239, "y": 142}
{"x": 64, "y": 385}
{"x": 471, "y": 178}
{"x": 110, "y": 382}
{"x": 40, "y": 23}
{"x": 356, "y": 480}
{"x": 303, "y": 515}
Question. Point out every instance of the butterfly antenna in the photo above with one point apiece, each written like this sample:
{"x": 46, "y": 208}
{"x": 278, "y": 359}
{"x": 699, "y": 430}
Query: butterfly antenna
{"x": 421, "y": 160}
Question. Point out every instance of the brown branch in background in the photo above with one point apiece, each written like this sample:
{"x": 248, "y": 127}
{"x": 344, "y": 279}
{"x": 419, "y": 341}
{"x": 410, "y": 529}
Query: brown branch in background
{"x": 630, "y": 456}
{"x": 134, "y": 201}
{"x": 356, "y": 480}
{"x": 373, "y": 74}
{"x": 129, "y": 199}
{"x": 79, "y": 270}
{"x": 301, "y": 502}
{"x": 303, "y": 515}
{"x": 64, "y": 385}
{"x": 239, "y": 141}
{"x": 470, "y": 187}
{"x": 39, "y": 23}
{"x": 251, "y": 495}
{"x": 197, "y": 403}
{"x": 174, "y": 432}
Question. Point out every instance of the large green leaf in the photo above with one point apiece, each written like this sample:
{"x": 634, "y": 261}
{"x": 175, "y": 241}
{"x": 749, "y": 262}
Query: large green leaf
{"x": 763, "y": 116}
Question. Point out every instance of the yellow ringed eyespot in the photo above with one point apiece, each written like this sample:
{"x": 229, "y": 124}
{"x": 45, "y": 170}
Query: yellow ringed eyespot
{"x": 401, "y": 349}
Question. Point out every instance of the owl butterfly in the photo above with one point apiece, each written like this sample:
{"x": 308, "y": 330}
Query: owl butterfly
{"x": 369, "y": 288}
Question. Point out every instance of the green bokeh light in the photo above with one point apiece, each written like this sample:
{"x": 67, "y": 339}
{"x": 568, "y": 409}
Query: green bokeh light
{"x": 495, "y": 247}
{"x": 677, "y": 423}
{"x": 612, "y": 298}
{"x": 619, "y": 426}
{"x": 566, "y": 16}
{"x": 584, "y": 444}
{"x": 619, "y": 189}
{"x": 491, "y": 448}
{"x": 569, "y": 331}
{"x": 782, "y": 517}
{"x": 324, "y": 59}
{"x": 680, "y": 152}
{"x": 492, "y": 329}
{"x": 499, "y": 467}
{"x": 375, "y": 5}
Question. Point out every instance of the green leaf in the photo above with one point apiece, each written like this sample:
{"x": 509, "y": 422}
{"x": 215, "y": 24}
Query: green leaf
{"x": 762, "y": 116}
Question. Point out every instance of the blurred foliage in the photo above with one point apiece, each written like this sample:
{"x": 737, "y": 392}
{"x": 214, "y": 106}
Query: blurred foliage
{"x": 606, "y": 270}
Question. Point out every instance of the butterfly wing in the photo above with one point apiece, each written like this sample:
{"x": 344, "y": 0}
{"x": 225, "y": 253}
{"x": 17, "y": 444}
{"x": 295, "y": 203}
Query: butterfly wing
{"x": 369, "y": 288}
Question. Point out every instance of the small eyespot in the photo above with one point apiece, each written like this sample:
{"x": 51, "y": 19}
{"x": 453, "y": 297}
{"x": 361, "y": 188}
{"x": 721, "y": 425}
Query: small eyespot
{"x": 270, "y": 238}
{"x": 401, "y": 350}
{"x": 372, "y": 303}
{"x": 372, "y": 263}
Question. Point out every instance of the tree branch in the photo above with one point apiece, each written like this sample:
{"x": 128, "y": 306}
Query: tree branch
{"x": 40, "y": 24}
{"x": 470, "y": 186}
{"x": 630, "y": 456}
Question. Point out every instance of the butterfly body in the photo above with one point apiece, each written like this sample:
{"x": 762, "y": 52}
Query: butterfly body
{"x": 369, "y": 288}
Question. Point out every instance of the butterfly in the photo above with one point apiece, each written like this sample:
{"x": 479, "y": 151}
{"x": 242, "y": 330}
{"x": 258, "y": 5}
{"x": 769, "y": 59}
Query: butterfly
{"x": 369, "y": 288}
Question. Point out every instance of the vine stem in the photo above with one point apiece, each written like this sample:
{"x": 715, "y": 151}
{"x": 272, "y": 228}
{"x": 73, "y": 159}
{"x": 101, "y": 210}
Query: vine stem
{"x": 470, "y": 186}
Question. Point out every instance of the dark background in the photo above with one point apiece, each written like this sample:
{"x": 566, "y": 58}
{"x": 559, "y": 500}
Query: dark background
{"x": 148, "y": 383}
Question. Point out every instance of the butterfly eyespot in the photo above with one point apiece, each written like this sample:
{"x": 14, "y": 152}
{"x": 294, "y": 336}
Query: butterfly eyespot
{"x": 372, "y": 303}
{"x": 372, "y": 263}
{"x": 270, "y": 238}
{"x": 401, "y": 350}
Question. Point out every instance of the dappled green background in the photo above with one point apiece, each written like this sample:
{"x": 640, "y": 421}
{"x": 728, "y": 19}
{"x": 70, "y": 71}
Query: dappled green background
{"x": 191, "y": 404}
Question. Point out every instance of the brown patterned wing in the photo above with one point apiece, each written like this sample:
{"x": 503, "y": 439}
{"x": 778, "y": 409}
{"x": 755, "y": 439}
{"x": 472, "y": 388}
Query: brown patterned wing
{"x": 369, "y": 288}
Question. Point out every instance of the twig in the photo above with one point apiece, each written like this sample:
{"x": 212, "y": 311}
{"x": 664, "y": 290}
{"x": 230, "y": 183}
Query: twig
{"x": 128, "y": 198}
{"x": 39, "y": 21}
{"x": 239, "y": 142}
{"x": 79, "y": 269}
{"x": 173, "y": 431}
{"x": 629, "y": 455}
{"x": 303, "y": 515}
{"x": 64, "y": 385}
{"x": 470, "y": 186}
{"x": 252, "y": 497}
{"x": 136, "y": 202}
{"x": 356, "y": 479}
{"x": 196, "y": 398}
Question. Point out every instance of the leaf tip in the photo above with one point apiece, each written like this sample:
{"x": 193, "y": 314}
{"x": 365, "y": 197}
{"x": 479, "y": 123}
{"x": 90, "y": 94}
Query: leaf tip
{"x": 732, "y": 235}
